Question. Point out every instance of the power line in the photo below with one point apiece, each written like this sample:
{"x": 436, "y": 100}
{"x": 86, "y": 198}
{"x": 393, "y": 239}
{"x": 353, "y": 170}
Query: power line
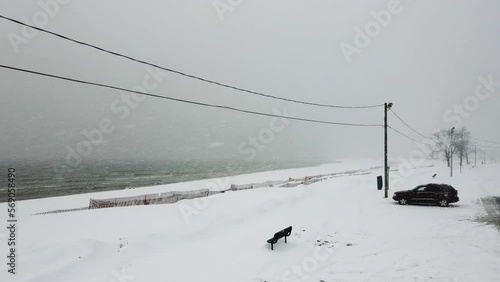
{"x": 408, "y": 137}
{"x": 487, "y": 147}
{"x": 486, "y": 141}
{"x": 415, "y": 140}
{"x": 185, "y": 101}
{"x": 185, "y": 74}
{"x": 404, "y": 135}
{"x": 409, "y": 125}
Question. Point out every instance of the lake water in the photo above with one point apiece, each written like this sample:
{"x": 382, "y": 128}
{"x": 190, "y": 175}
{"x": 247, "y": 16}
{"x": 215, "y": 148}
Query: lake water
{"x": 40, "y": 180}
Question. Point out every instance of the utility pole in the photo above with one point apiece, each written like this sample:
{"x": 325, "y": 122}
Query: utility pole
{"x": 451, "y": 150}
{"x": 387, "y": 107}
{"x": 475, "y": 156}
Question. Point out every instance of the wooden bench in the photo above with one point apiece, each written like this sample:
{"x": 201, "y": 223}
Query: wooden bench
{"x": 283, "y": 233}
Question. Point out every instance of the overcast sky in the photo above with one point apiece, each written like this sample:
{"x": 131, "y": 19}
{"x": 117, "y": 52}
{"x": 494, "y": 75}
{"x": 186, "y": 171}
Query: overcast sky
{"x": 425, "y": 60}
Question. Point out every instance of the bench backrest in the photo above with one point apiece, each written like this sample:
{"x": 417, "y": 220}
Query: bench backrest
{"x": 285, "y": 232}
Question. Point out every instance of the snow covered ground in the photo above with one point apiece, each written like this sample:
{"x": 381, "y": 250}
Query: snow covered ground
{"x": 343, "y": 230}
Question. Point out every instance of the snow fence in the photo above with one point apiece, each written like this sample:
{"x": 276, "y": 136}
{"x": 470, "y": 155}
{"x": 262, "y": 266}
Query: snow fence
{"x": 175, "y": 196}
{"x": 149, "y": 199}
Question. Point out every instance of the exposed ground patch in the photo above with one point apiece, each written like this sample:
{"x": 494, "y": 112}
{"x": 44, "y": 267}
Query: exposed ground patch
{"x": 492, "y": 208}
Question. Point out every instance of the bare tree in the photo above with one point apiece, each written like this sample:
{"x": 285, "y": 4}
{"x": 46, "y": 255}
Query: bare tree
{"x": 463, "y": 144}
{"x": 444, "y": 142}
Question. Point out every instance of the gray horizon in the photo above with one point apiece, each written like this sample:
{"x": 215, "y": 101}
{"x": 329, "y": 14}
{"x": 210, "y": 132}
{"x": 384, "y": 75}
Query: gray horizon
{"x": 429, "y": 61}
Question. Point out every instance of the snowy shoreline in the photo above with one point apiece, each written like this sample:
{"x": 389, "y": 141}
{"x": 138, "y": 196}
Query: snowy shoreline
{"x": 34, "y": 206}
{"x": 343, "y": 229}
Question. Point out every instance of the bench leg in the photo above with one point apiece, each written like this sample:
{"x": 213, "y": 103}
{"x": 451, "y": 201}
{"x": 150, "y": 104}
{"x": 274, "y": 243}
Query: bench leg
{"x": 272, "y": 247}
{"x": 285, "y": 239}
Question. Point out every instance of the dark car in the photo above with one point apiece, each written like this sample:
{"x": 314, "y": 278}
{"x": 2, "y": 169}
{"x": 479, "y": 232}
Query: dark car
{"x": 440, "y": 194}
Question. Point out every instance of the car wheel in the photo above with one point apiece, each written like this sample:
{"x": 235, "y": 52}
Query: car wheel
{"x": 403, "y": 202}
{"x": 443, "y": 203}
